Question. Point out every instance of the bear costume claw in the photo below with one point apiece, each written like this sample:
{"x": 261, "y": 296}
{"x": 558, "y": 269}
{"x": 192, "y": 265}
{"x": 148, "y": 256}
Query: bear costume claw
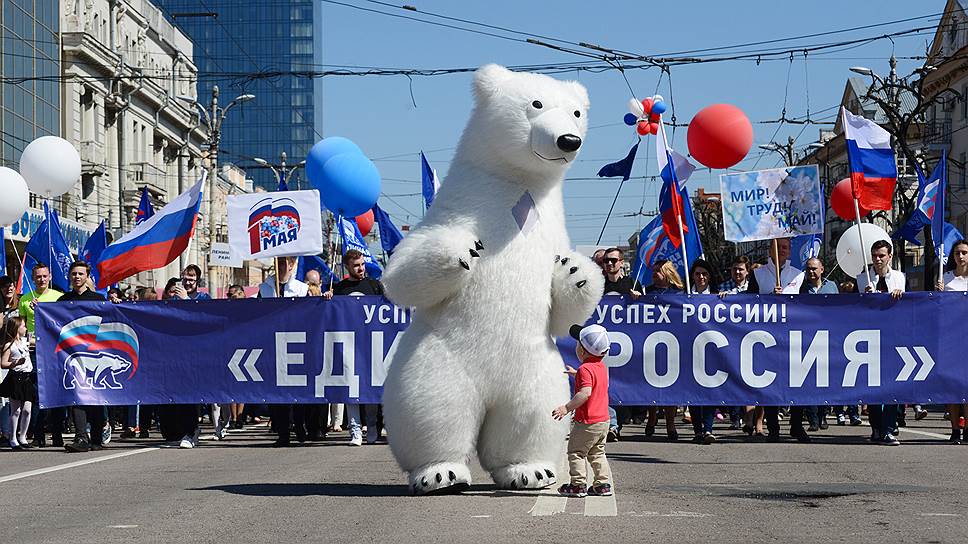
{"x": 524, "y": 476}
{"x": 440, "y": 479}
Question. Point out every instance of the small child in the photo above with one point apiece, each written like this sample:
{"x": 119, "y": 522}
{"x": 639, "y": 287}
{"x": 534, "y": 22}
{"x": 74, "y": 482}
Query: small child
{"x": 590, "y": 423}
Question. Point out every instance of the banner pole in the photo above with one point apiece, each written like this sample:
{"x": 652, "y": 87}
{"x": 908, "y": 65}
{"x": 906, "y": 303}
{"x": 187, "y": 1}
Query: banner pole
{"x": 776, "y": 258}
{"x": 275, "y": 264}
{"x": 685, "y": 256}
{"x": 863, "y": 248}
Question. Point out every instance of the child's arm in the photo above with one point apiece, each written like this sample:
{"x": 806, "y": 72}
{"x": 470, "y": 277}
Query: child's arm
{"x": 5, "y": 361}
{"x": 581, "y": 397}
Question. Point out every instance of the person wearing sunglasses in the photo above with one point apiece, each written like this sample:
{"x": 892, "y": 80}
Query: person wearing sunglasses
{"x": 616, "y": 282}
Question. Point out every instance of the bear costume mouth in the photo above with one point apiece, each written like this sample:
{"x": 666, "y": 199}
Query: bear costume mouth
{"x": 547, "y": 159}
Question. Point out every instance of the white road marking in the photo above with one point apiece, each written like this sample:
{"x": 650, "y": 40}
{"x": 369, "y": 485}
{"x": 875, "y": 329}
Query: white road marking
{"x": 925, "y": 433}
{"x": 672, "y": 514}
{"x": 484, "y": 516}
{"x": 122, "y": 526}
{"x": 549, "y": 502}
{"x": 939, "y": 514}
{"x": 66, "y": 466}
{"x": 601, "y": 506}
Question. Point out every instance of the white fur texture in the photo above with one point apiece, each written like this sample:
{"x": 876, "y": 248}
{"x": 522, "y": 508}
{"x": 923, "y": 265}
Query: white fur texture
{"x": 477, "y": 371}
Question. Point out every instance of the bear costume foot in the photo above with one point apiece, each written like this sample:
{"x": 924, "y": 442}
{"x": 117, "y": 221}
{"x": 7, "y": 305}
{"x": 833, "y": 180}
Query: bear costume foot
{"x": 525, "y": 476}
{"x": 440, "y": 479}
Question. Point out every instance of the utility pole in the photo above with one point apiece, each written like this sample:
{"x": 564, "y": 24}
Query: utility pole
{"x": 212, "y": 119}
{"x": 282, "y": 172}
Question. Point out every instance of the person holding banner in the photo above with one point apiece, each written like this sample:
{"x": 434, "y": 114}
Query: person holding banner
{"x": 616, "y": 282}
{"x": 956, "y": 279}
{"x": 766, "y": 279}
{"x": 665, "y": 281}
{"x": 883, "y": 279}
{"x": 703, "y": 417}
{"x": 286, "y": 416}
{"x": 188, "y": 290}
{"x": 42, "y": 292}
{"x": 79, "y": 274}
{"x": 358, "y": 284}
{"x": 739, "y": 272}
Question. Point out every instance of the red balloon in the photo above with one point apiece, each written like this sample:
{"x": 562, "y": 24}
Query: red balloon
{"x": 365, "y": 222}
{"x": 719, "y": 136}
{"x": 655, "y": 117}
{"x": 842, "y": 201}
{"x": 642, "y": 128}
{"x": 654, "y": 128}
{"x": 647, "y": 105}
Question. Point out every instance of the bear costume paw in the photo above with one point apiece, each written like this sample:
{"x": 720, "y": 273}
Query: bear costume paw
{"x": 577, "y": 284}
{"x": 525, "y": 476}
{"x": 440, "y": 479}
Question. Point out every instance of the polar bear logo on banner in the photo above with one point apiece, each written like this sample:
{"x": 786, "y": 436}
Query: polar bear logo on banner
{"x": 492, "y": 275}
{"x": 94, "y": 370}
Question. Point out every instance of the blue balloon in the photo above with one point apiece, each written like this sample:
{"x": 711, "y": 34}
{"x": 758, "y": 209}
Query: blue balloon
{"x": 659, "y": 107}
{"x": 349, "y": 184}
{"x": 631, "y": 119}
{"x": 324, "y": 150}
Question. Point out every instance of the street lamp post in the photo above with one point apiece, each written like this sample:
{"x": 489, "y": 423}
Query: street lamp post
{"x": 886, "y": 93}
{"x": 282, "y": 172}
{"x": 785, "y": 150}
{"x": 213, "y": 118}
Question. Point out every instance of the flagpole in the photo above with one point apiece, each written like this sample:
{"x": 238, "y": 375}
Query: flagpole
{"x": 776, "y": 260}
{"x": 675, "y": 188}
{"x": 863, "y": 248}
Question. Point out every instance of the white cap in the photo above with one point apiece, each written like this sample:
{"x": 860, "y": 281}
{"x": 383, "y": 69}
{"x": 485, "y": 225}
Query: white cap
{"x": 594, "y": 338}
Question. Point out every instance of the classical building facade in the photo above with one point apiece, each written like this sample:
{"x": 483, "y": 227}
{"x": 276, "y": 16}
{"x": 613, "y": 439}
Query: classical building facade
{"x": 125, "y": 66}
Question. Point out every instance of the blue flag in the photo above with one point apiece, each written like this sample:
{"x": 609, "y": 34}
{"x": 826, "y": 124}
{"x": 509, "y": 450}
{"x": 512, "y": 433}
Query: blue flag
{"x": 806, "y": 246}
{"x": 313, "y": 262}
{"x": 390, "y": 236}
{"x": 951, "y": 236}
{"x": 145, "y": 211}
{"x": 938, "y": 226}
{"x": 3, "y": 253}
{"x": 353, "y": 239}
{"x": 655, "y": 244}
{"x": 621, "y": 168}
{"x": 929, "y": 192}
{"x": 48, "y": 246}
{"x": 91, "y": 254}
{"x": 430, "y": 182}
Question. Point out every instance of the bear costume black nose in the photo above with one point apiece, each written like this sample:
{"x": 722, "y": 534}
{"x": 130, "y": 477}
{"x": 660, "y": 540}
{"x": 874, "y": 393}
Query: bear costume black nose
{"x": 569, "y": 142}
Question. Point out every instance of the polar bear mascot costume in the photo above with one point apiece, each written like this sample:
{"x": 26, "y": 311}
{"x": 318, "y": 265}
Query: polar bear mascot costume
{"x": 492, "y": 276}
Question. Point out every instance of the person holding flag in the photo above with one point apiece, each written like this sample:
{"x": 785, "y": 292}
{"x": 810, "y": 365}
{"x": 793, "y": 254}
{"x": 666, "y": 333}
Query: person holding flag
{"x": 956, "y": 279}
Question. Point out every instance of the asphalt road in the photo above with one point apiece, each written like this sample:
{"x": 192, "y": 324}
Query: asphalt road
{"x": 836, "y": 489}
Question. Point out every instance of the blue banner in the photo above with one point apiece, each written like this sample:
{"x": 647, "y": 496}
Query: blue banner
{"x": 666, "y": 350}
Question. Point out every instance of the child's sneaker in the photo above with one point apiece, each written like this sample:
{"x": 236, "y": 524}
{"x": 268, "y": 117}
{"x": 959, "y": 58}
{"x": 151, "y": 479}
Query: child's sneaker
{"x": 569, "y": 490}
{"x": 600, "y": 490}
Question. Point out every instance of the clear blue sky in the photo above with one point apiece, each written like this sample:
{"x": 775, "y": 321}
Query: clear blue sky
{"x": 377, "y": 112}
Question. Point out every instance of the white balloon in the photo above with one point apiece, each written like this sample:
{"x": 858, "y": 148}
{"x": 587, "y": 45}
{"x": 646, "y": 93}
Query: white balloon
{"x": 657, "y": 98}
{"x": 635, "y": 108}
{"x": 850, "y": 256}
{"x": 16, "y": 197}
{"x": 50, "y": 165}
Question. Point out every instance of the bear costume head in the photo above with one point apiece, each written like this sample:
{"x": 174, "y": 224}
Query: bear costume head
{"x": 525, "y": 127}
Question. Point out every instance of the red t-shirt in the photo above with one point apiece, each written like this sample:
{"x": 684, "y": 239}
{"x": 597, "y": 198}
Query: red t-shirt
{"x": 592, "y": 373}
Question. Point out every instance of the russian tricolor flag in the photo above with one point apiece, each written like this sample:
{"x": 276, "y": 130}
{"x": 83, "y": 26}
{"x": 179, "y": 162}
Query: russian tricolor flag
{"x": 155, "y": 242}
{"x": 674, "y": 170}
{"x": 873, "y": 168}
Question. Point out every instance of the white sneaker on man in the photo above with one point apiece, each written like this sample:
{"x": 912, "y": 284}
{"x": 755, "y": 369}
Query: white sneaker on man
{"x": 356, "y": 439}
{"x": 186, "y": 443}
{"x": 220, "y": 431}
{"x": 106, "y": 434}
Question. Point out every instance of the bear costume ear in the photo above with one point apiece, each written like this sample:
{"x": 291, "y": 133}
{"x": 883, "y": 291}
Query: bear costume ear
{"x": 488, "y": 80}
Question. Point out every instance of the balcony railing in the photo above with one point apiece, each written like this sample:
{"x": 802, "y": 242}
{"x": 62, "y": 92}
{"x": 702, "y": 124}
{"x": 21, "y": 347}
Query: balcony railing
{"x": 937, "y": 133}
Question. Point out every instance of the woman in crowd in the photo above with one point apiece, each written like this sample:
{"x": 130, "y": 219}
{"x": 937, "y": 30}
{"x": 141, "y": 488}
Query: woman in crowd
{"x": 236, "y": 292}
{"x": 665, "y": 281}
{"x": 956, "y": 279}
{"x": 9, "y": 306}
{"x": 20, "y": 384}
{"x": 703, "y": 417}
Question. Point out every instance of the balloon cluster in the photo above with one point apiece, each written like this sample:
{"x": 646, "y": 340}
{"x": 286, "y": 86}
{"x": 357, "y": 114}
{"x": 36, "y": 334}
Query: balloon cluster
{"x": 49, "y": 166}
{"x": 645, "y": 115}
{"x": 348, "y": 182}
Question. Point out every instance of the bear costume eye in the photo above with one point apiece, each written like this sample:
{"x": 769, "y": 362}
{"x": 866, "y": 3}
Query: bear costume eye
{"x": 577, "y": 113}
{"x": 536, "y": 104}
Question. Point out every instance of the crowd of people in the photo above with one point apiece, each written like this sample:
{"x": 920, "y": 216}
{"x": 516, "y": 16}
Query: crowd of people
{"x": 23, "y": 426}
{"x": 885, "y": 420}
